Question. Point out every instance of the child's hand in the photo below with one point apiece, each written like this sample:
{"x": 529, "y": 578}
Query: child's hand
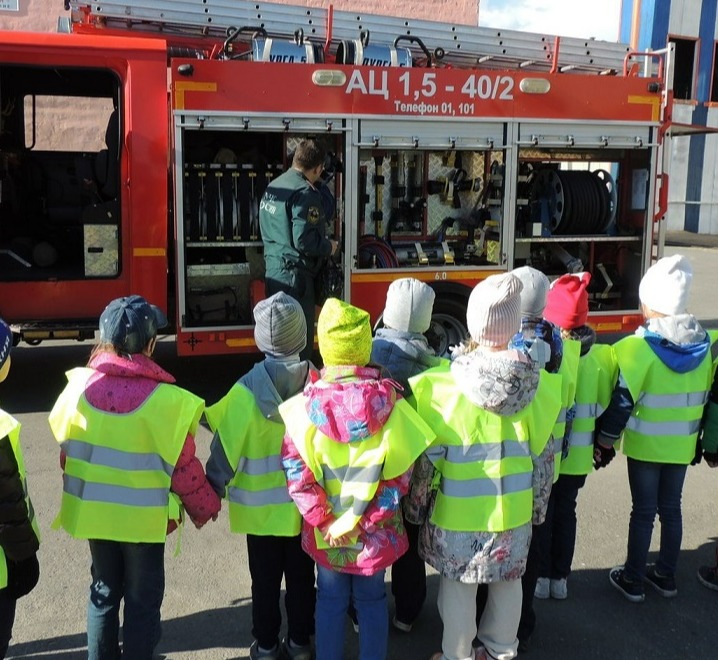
{"x": 339, "y": 541}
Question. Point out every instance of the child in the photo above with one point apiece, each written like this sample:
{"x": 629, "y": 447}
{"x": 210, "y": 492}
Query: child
{"x": 542, "y": 342}
{"x": 128, "y": 457}
{"x": 664, "y": 375}
{"x": 19, "y": 536}
{"x": 708, "y": 575}
{"x": 348, "y": 454}
{"x": 245, "y": 467}
{"x": 567, "y": 308}
{"x": 402, "y": 349}
{"x": 493, "y": 413}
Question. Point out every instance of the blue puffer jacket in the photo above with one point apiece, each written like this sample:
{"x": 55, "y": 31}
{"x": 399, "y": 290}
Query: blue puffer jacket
{"x": 402, "y": 355}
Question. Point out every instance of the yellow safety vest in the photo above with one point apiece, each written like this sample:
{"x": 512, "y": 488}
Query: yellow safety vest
{"x": 569, "y": 376}
{"x": 483, "y": 460}
{"x": 597, "y": 374}
{"x": 10, "y": 427}
{"x": 668, "y": 408}
{"x": 259, "y": 502}
{"x": 118, "y": 467}
{"x": 350, "y": 472}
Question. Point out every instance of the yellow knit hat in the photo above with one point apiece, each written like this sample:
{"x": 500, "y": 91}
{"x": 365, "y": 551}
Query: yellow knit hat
{"x": 344, "y": 334}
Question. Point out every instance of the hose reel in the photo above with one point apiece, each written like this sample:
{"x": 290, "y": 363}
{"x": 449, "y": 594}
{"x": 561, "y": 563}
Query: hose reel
{"x": 575, "y": 201}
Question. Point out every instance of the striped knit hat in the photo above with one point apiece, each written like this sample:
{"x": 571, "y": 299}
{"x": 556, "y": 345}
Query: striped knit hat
{"x": 280, "y": 327}
{"x": 344, "y": 334}
{"x": 493, "y": 315}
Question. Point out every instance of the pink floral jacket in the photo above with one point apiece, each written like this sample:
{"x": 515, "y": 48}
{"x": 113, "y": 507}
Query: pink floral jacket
{"x": 349, "y": 404}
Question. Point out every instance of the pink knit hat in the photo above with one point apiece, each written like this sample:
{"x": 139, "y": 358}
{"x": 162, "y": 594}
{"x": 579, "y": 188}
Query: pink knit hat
{"x": 493, "y": 314}
{"x": 567, "y": 301}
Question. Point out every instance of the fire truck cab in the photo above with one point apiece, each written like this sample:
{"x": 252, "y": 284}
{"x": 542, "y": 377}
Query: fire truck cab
{"x": 455, "y": 152}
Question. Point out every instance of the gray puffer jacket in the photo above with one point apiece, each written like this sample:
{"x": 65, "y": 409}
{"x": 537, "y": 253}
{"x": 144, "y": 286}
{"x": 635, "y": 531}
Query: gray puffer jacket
{"x": 402, "y": 355}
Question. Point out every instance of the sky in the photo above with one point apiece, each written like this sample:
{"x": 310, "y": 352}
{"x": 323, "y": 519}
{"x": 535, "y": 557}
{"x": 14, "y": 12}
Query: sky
{"x": 568, "y": 18}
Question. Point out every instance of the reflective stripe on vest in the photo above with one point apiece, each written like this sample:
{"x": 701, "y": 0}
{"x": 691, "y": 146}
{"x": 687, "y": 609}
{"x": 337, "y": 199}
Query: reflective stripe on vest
{"x": 259, "y": 502}
{"x": 10, "y": 427}
{"x": 666, "y": 417}
{"x": 483, "y": 459}
{"x": 597, "y": 375}
{"x": 569, "y": 377}
{"x": 118, "y": 467}
{"x": 350, "y": 472}
{"x": 115, "y": 458}
{"x": 367, "y": 475}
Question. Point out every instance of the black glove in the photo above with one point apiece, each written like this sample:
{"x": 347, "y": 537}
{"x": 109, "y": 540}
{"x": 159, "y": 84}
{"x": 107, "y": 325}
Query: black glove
{"x": 22, "y": 576}
{"x": 698, "y": 454}
{"x": 602, "y": 456}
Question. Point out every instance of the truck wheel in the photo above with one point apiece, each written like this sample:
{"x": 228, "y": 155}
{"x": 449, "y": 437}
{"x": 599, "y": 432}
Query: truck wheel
{"x": 448, "y": 325}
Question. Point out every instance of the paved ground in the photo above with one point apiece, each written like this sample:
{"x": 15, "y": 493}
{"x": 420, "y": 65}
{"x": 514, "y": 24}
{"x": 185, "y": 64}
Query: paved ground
{"x": 207, "y": 609}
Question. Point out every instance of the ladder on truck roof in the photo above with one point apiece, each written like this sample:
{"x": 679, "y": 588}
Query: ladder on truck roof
{"x": 458, "y": 45}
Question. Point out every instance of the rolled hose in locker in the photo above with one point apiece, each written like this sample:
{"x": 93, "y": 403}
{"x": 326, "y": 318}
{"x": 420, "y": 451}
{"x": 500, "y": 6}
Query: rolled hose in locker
{"x": 577, "y": 201}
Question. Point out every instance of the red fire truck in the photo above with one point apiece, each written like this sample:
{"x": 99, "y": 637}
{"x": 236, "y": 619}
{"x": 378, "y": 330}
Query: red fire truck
{"x": 457, "y": 152}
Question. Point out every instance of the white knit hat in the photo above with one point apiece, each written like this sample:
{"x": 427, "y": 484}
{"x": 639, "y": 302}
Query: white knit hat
{"x": 666, "y": 285}
{"x": 493, "y": 314}
{"x": 409, "y": 304}
{"x": 533, "y": 295}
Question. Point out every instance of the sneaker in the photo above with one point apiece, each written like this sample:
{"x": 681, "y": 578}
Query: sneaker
{"x": 631, "y": 589}
{"x": 292, "y": 652}
{"x": 559, "y": 589}
{"x": 255, "y": 653}
{"x": 663, "y": 584}
{"x": 401, "y": 625}
{"x": 708, "y": 577}
{"x": 543, "y": 588}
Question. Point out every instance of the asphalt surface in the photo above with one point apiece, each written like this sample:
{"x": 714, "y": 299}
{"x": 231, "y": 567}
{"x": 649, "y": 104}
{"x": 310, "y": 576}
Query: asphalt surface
{"x": 207, "y": 607}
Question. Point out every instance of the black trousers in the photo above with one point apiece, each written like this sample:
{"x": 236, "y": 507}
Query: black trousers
{"x": 270, "y": 559}
{"x": 408, "y": 579}
{"x": 557, "y": 536}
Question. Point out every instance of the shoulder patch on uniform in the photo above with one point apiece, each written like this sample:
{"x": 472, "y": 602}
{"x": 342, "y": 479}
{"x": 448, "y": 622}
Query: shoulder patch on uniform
{"x": 313, "y": 214}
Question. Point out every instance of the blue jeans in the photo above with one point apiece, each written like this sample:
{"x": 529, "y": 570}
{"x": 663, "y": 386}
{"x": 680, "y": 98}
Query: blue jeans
{"x": 135, "y": 572}
{"x": 368, "y": 593}
{"x": 655, "y": 487}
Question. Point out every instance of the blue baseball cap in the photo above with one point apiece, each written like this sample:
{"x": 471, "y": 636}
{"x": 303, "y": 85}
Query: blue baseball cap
{"x": 129, "y": 323}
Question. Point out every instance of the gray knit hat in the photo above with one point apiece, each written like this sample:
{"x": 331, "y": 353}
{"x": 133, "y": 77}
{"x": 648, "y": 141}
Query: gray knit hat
{"x": 280, "y": 328}
{"x": 533, "y": 295}
{"x": 493, "y": 314}
{"x": 409, "y": 304}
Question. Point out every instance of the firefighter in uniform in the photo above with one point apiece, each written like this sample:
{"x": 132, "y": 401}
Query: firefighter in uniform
{"x": 292, "y": 222}
{"x": 19, "y": 534}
